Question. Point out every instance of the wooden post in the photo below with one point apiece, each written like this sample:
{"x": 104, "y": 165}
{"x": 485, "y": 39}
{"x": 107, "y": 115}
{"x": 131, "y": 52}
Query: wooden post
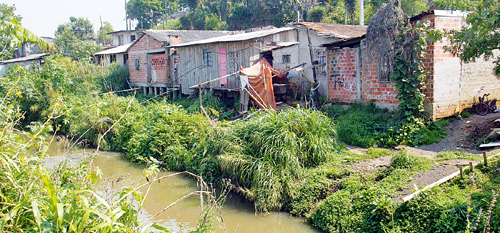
{"x": 485, "y": 159}
{"x": 471, "y": 166}
{"x": 461, "y": 172}
{"x": 265, "y": 90}
{"x": 199, "y": 90}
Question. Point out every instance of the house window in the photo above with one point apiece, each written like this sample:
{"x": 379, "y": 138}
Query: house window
{"x": 285, "y": 58}
{"x": 207, "y": 57}
{"x": 132, "y": 38}
{"x": 384, "y": 70}
{"x": 120, "y": 39}
{"x": 321, "y": 58}
{"x": 137, "y": 63}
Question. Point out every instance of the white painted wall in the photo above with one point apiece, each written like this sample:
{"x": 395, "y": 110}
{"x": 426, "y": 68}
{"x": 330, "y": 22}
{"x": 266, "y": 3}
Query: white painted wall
{"x": 305, "y": 56}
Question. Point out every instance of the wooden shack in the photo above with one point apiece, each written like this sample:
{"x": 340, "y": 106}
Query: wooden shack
{"x": 152, "y": 65}
{"x": 210, "y": 59}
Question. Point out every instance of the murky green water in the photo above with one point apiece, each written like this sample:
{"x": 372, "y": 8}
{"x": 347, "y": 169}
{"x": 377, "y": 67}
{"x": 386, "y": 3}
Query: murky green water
{"x": 238, "y": 213}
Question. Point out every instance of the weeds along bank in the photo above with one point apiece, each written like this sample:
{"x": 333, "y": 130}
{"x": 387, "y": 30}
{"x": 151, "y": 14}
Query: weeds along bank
{"x": 291, "y": 161}
{"x": 363, "y": 203}
{"x": 37, "y": 92}
{"x": 36, "y": 199}
{"x": 262, "y": 157}
{"x": 367, "y": 126}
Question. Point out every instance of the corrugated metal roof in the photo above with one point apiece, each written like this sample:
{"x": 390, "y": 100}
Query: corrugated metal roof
{"x": 125, "y": 31}
{"x": 280, "y": 45}
{"x": 27, "y": 58}
{"x": 237, "y": 37}
{"x": 340, "y": 31}
{"x": 187, "y": 36}
{"x": 115, "y": 50}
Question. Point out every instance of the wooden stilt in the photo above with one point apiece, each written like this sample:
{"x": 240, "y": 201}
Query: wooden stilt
{"x": 485, "y": 159}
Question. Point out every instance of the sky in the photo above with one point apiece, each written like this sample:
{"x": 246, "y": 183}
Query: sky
{"x": 43, "y": 16}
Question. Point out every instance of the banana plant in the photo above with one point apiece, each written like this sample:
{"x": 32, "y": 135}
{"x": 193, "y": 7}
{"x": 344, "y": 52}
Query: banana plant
{"x": 14, "y": 35}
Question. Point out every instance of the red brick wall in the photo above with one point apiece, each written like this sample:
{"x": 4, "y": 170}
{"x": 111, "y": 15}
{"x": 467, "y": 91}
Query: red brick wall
{"x": 383, "y": 92}
{"x": 428, "y": 63}
{"x": 144, "y": 44}
{"x": 342, "y": 70}
{"x": 342, "y": 84}
{"x": 159, "y": 68}
{"x": 342, "y": 75}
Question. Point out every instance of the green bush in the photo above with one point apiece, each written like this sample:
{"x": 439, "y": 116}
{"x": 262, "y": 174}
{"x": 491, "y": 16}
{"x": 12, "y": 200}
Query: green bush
{"x": 403, "y": 160}
{"x": 366, "y": 125}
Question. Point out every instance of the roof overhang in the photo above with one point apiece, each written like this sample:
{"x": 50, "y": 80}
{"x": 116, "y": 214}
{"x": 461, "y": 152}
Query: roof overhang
{"x": 115, "y": 50}
{"x": 236, "y": 37}
{"x": 23, "y": 59}
{"x": 352, "y": 42}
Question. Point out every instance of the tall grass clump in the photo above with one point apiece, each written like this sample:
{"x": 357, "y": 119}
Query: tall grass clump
{"x": 366, "y": 125}
{"x": 271, "y": 151}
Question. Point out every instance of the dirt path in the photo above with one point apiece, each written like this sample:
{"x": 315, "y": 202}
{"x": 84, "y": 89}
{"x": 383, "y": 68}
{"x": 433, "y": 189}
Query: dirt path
{"x": 462, "y": 135}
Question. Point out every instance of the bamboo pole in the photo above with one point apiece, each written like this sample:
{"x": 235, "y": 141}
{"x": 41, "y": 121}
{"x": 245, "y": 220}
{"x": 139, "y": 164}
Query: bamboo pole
{"x": 262, "y": 103}
{"x": 253, "y": 97}
{"x": 209, "y": 81}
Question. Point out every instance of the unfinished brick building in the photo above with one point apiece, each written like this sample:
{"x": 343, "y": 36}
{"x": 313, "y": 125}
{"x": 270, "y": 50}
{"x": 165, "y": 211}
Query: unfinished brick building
{"x": 451, "y": 85}
{"x": 152, "y": 65}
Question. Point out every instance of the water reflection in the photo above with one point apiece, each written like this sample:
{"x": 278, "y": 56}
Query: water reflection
{"x": 238, "y": 213}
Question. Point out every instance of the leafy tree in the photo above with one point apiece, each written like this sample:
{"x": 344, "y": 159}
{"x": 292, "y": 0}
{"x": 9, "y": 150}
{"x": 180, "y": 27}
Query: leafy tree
{"x": 240, "y": 18}
{"x": 102, "y": 34}
{"x": 213, "y": 22}
{"x": 13, "y": 34}
{"x": 350, "y": 8}
{"x": 194, "y": 20}
{"x": 316, "y": 14}
{"x": 172, "y": 24}
{"x": 78, "y": 28}
{"x": 482, "y": 37}
{"x": 75, "y": 39}
{"x": 7, "y": 13}
{"x": 148, "y": 13}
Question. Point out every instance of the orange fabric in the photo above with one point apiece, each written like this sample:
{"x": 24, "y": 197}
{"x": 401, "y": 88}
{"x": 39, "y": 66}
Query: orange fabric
{"x": 256, "y": 75}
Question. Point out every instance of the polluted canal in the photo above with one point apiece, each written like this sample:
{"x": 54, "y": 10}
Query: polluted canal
{"x": 238, "y": 213}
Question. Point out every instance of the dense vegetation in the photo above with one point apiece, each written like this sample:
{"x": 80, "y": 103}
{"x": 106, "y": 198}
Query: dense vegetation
{"x": 366, "y": 125}
{"x": 289, "y": 160}
{"x": 240, "y": 15}
{"x": 35, "y": 198}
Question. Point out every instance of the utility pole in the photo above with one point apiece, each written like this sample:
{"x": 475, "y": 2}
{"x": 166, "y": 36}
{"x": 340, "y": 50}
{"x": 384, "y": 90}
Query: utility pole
{"x": 126, "y": 16}
{"x": 361, "y": 12}
{"x": 166, "y": 15}
{"x": 102, "y": 31}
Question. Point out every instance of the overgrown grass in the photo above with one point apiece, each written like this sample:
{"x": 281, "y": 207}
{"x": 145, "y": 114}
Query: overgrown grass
{"x": 449, "y": 155}
{"x": 366, "y": 125}
{"x": 35, "y": 199}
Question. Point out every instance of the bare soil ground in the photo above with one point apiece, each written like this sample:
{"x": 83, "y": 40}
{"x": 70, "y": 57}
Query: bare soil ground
{"x": 462, "y": 135}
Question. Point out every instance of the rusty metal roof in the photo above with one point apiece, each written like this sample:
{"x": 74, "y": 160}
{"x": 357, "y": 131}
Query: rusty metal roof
{"x": 26, "y": 58}
{"x": 236, "y": 37}
{"x": 340, "y": 31}
{"x": 187, "y": 36}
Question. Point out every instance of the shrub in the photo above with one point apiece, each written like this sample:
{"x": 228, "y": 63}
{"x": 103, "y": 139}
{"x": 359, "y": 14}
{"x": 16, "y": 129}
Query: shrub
{"x": 403, "y": 160}
{"x": 366, "y": 125}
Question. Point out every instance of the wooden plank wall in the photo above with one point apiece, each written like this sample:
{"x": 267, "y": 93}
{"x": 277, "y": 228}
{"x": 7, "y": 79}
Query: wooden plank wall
{"x": 243, "y": 53}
